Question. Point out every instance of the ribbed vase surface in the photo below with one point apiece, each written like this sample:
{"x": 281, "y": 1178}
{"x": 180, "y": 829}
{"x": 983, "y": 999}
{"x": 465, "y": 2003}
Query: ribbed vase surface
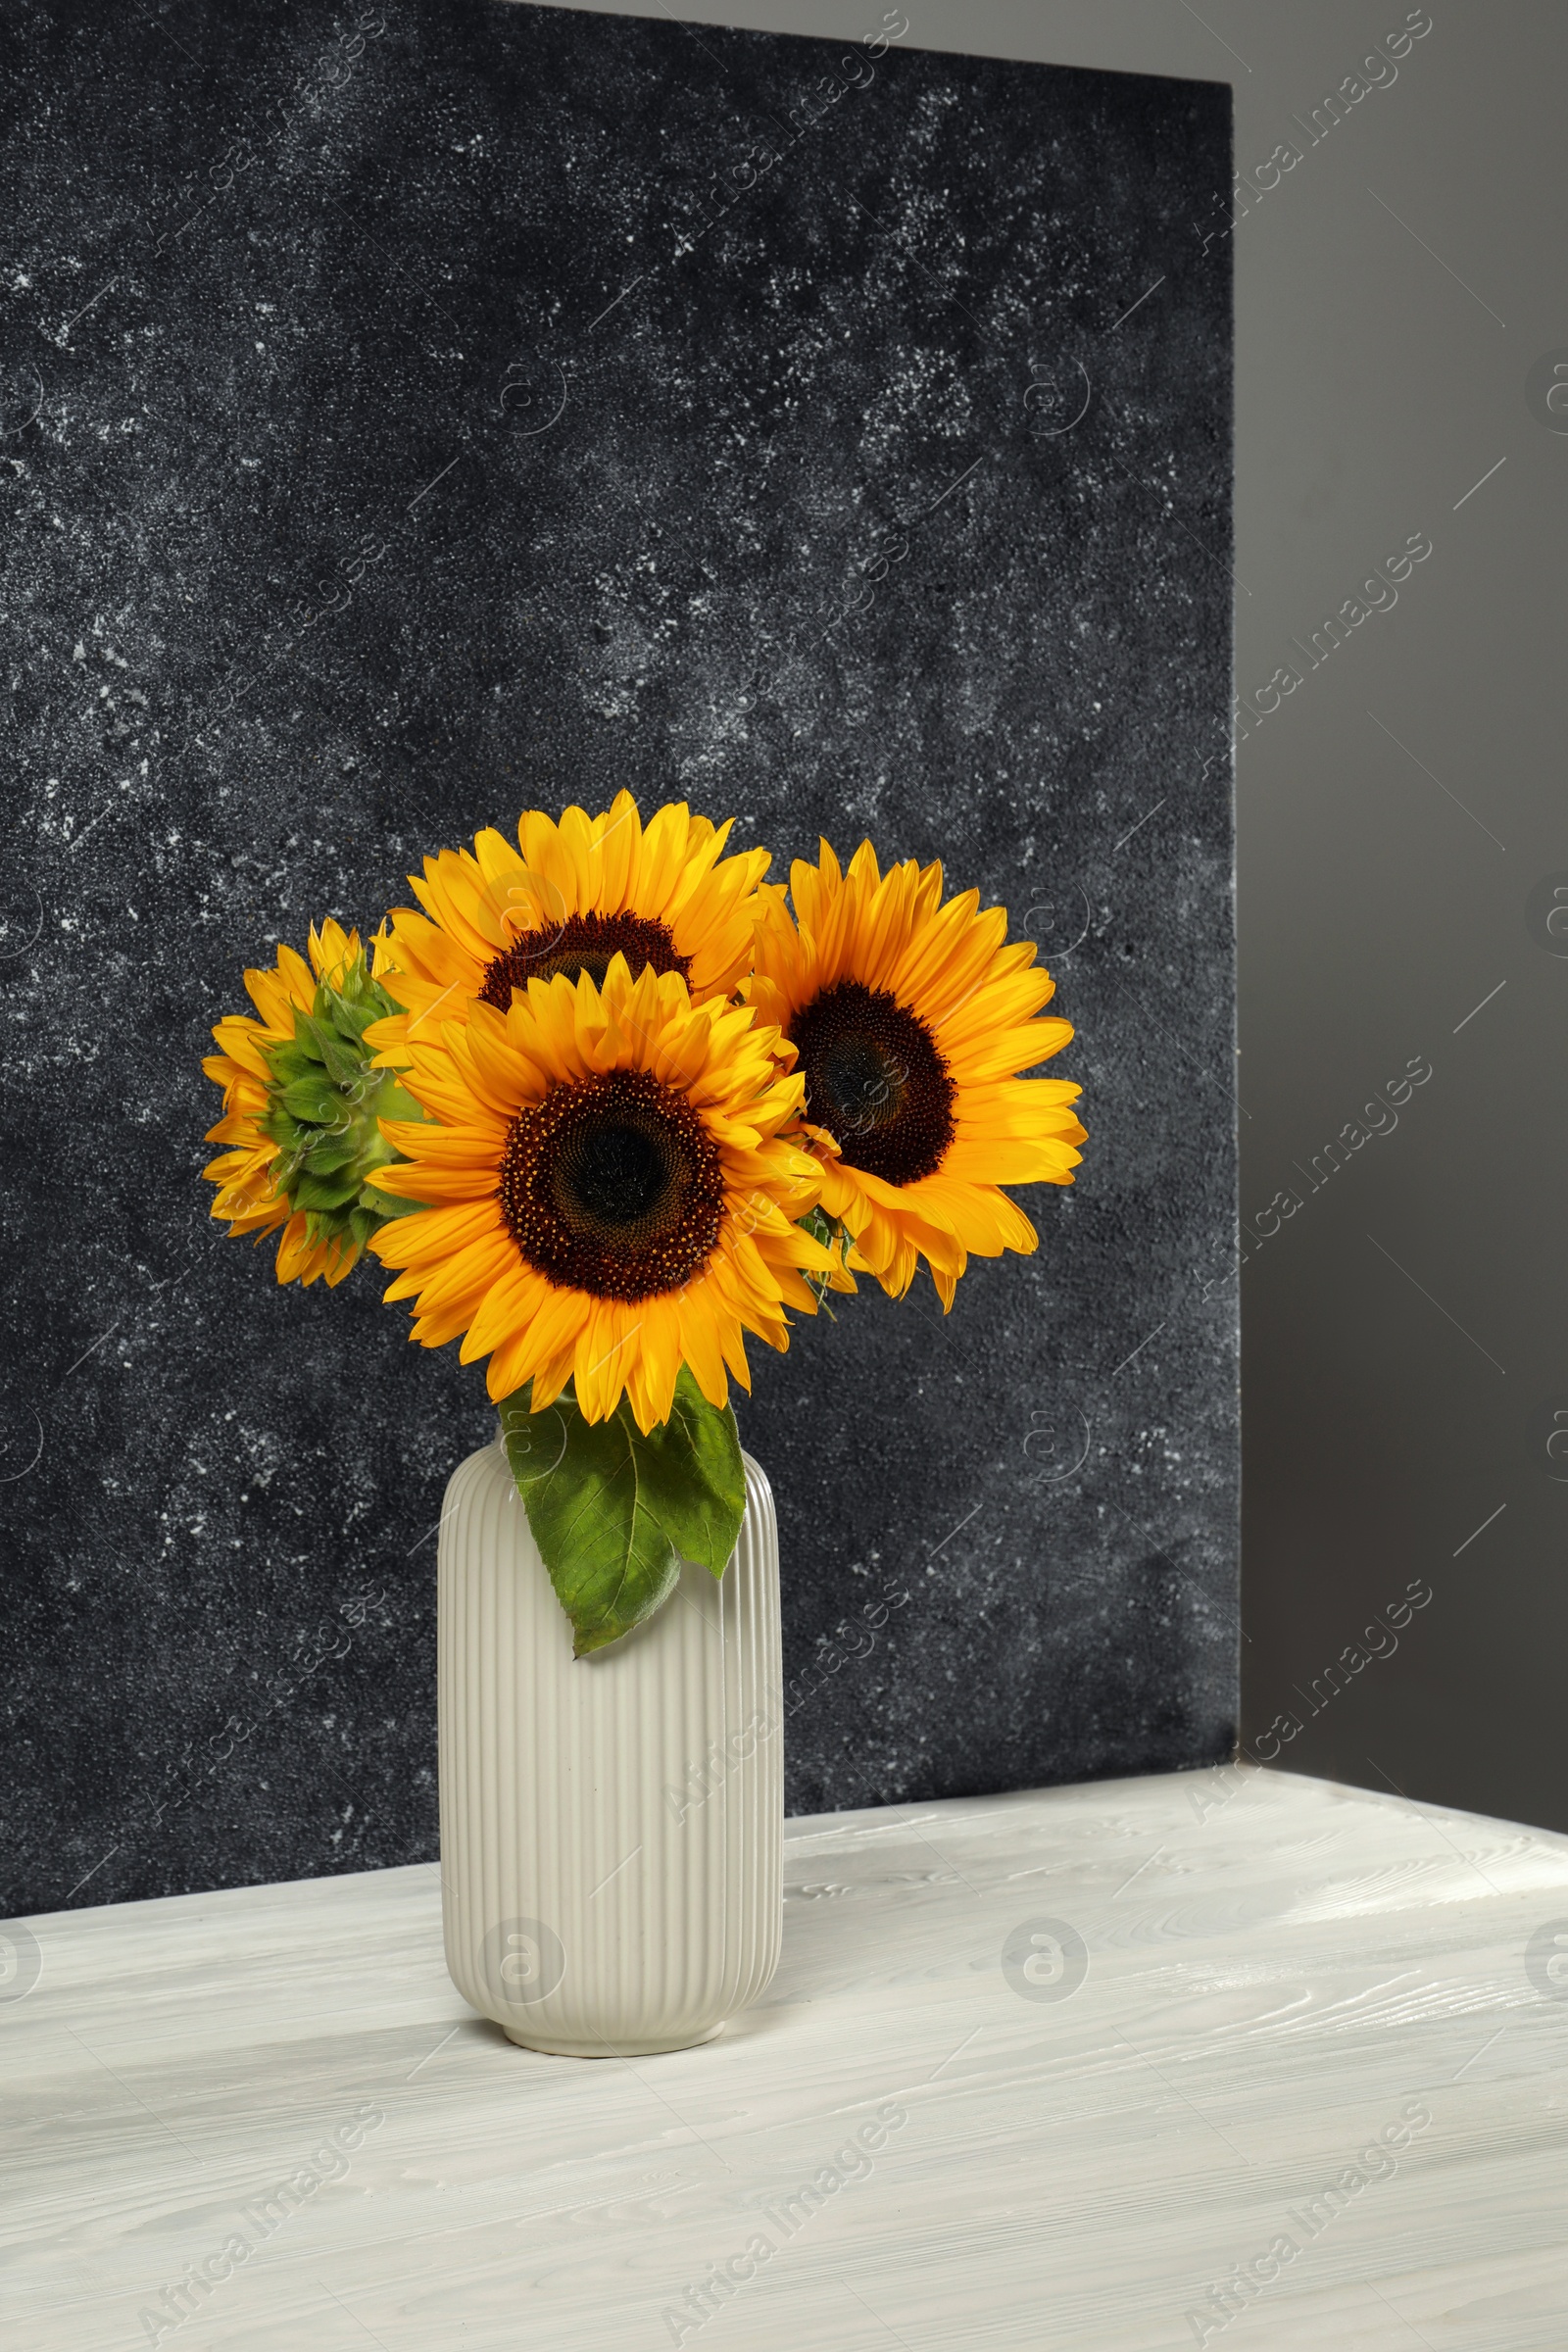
{"x": 612, "y": 1826}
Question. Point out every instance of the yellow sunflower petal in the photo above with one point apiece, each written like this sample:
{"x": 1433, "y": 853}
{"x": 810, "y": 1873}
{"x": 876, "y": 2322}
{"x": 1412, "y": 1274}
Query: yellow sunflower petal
{"x": 913, "y": 1018}
{"x": 564, "y": 901}
{"x": 610, "y": 1271}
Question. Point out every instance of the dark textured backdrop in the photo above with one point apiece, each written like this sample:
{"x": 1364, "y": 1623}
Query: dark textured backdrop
{"x": 413, "y": 416}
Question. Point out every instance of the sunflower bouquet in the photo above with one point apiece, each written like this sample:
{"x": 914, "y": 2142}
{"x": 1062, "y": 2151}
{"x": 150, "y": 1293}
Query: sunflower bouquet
{"x": 607, "y": 1102}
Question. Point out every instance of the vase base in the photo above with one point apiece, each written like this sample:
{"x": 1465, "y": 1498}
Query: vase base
{"x": 550, "y": 2049}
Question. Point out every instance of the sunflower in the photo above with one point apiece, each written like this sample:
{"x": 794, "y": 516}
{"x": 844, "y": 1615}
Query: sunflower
{"x": 565, "y": 900}
{"x": 911, "y": 1020}
{"x": 302, "y": 1107}
{"x": 609, "y": 1190}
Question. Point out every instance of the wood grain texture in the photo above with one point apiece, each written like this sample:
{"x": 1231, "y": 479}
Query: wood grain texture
{"x": 1277, "y": 1970}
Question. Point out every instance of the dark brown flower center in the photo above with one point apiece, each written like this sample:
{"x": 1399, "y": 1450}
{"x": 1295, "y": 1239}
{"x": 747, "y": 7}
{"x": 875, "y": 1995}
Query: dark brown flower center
{"x": 578, "y": 944}
{"x": 612, "y": 1185}
{"x": 875, "y": 1080}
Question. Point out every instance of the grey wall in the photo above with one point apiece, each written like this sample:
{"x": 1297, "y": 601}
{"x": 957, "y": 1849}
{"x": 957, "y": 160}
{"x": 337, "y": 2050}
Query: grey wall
{"x": 398, "y": 433}
{"x": 1398, "y": 295}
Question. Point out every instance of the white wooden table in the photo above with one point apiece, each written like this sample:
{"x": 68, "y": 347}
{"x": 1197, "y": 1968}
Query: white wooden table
{"x": 936, "y": 2150}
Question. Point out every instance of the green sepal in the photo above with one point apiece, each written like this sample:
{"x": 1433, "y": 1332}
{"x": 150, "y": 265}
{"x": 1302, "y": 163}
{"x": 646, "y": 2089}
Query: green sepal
{"x": 334, "y": 1151}
{"x": 834, "y": 1237}
{"x": 379, "y": 1205}
{"x": 344, "y": 1064}
{"x": 314, "y": 1191}
{"x": 311, "y": 1100}
{"x": 615, "y": 1513}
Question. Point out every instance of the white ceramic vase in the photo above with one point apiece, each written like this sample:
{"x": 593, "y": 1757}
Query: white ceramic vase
{"x": 612, "y": 1826}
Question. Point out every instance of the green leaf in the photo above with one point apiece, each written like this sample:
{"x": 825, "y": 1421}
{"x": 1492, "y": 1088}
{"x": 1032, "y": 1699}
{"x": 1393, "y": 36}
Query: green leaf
{"x": 698, "y": 1477}
{"x": 614, "y": 1512}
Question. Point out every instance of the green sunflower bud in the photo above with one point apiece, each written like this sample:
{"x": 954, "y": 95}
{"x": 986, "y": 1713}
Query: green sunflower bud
{"x": 326, "y": 1101}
